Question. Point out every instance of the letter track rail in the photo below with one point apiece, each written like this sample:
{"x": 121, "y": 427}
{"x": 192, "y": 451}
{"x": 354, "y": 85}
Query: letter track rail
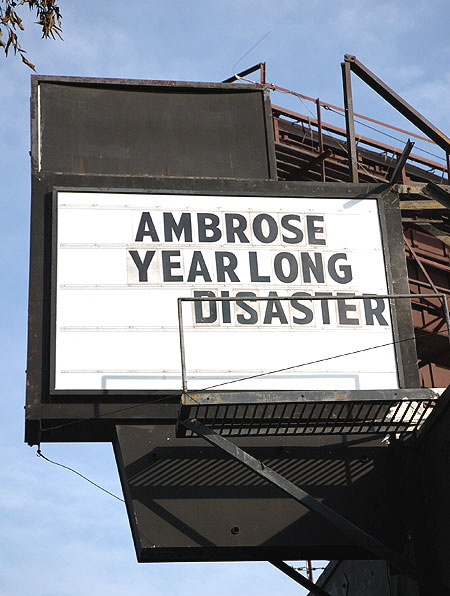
{"x": 249, "y": 413}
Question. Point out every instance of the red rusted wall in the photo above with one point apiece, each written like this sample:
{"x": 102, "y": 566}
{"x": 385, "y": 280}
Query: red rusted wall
{"x": 428, "y": 266}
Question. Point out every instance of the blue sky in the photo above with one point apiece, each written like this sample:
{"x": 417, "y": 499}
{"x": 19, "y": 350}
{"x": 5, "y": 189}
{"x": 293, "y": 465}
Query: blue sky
{"x": 60, "y": 535}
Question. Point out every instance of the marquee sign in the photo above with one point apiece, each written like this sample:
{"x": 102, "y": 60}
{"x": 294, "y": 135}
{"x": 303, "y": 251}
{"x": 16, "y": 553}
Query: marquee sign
{"x": 124, "y": 258}
{"x": 284, "y": 281}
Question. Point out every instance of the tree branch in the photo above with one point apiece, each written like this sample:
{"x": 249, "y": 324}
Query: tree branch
{"x": 48, "y": 17}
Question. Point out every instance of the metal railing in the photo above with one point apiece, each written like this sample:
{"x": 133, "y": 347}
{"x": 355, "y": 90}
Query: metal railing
{"x": 441, "y": 296}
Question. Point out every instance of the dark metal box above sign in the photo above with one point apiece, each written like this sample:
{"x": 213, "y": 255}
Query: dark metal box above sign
{"x": 151, "y": 128}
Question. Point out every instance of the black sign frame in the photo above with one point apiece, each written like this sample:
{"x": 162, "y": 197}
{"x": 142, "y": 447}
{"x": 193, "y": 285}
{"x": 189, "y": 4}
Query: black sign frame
{"x": 96, "y": 412}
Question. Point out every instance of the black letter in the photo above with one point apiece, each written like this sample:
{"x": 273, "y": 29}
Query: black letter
{"x": 183, "y": 226}
{"x": 212, "y": 226}
{"x": 343, "y": 309}
{"x": 325, "y": 307}
{"x": 315, "y": 268}
{"x": 258, "y": 231}
{"x": 300, "y": 306}
{"x": 274, "y": 309}
{"x": 293, "y": 267}
{"x": 146, "y": 228}
{"x": 345, "y": 270}
{"x": 254, "y": 273}
{"x": 198, "y": 308}
{"x": 221, "y": 268}
{"x": 376, "y": 310}
{"x": 313, "y": 229}
{"x": 236, "y": 230}
{"x": 168, "y": 265}
{"x": 142, "y": 265}
{"x": 290, "y": 228}
{"x": 253, "y": 319}
{"x": 226, "y": 310}
{"x": 198, "y": 268}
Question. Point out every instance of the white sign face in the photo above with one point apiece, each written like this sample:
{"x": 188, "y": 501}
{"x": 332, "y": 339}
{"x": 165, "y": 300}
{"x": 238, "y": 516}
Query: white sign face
{"x": 123, "y": 260}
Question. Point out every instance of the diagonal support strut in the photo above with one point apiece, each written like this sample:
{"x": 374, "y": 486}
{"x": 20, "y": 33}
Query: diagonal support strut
{"x": 359, "y": 536}
{"x": 401, "y": 161}
{"x": 299, "y": 578}
{"x": 398, "y": 102}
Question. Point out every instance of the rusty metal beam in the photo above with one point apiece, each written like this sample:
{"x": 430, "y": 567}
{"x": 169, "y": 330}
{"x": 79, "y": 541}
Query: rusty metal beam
{"x": 420, "y": 263}
{"x": 262, "y": 74}
{"x": 439, "y": 194}
{"x": 361, "y": 139}
{"x": 330, "y": 106}
{"x": 436, "y": 232}
{"x": 433, "y": 262}
{"x": 422, "y": 284}
{"x": 261, "y": 66}
{"x": 397, "y": 102}
{"x": 349, "y": 122}
{"x": 401, "y": 161}
{"x": 319, "y": 159}
{"x": 418, "y": 205}
{"x": 320, "y": 133}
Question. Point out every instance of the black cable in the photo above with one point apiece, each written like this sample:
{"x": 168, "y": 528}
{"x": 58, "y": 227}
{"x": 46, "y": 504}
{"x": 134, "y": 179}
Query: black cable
{"x": 166, "y": 397}
{"x": 252, "y": 48}
{"x": 391, "y": 343}
{"x": 381, "y": 132}
{"x": 40, "y": 454}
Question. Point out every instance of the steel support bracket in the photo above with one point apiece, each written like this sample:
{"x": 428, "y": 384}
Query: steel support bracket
{"x": 398, "y": 102}
{"x": 318, "y": 160}
{"x": 261, "y": 67}
{"x": 360, "y": 537}
{"x": 350, "y": 123}
{"x": 299, "y": 578}
{"x": 438, "y": 194}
